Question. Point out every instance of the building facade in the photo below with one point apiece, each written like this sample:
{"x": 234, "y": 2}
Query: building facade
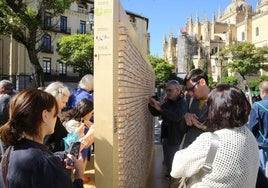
{"x": 200, "y": 41}
{"x": 78, "y": 19}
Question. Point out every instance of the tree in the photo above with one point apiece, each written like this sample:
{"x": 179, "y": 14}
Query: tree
{"x": 205, "y": 65}
{"x": 77, "y": 51}
{"x": 246, "y": 58}
{"x": 191, "y": 65}
{"x": 162, "y": 68}
{"x": 230, "y": 80}
{"x": 254, "y": 84}
{"x": 24, "y": 22}
{"x": 211, "y": 83}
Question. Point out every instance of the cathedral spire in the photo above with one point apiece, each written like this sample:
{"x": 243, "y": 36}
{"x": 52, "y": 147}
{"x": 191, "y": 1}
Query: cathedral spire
{"x": 213, "y": 17}
{"x": 164, "y": 38}
{"x": 219, "y": 13}
{"x": 196, "y": 18}
{"x": 205, "y": 17}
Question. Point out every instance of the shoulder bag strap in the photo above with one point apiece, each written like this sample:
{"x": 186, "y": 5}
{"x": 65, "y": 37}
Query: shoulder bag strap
{"x": 5, "y": 162}
{"x": 262, "y": 106}
{"x": 207, "y": 167}
{"x": 261, "y": 134}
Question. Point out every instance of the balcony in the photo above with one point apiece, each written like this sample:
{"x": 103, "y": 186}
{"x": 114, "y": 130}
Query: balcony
{"x": 57, "y": 28}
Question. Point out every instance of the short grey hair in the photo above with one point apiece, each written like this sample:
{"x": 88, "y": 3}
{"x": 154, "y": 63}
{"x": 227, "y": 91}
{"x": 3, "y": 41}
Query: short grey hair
{"x": 87, "y": 82}
{"x": 264, "y": 86}
{"x": 7, "y": 84}
{"x": 174, "y": 83}
{"x": 58, "y": 90}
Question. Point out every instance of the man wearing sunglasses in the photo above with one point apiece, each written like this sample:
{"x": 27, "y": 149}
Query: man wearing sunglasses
{"x": 171, "y": 110}
{"x": 196, "y": 82}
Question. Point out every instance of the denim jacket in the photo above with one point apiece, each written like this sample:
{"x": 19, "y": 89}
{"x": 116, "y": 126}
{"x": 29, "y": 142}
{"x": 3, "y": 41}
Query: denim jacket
{"x": 258, "y": 121}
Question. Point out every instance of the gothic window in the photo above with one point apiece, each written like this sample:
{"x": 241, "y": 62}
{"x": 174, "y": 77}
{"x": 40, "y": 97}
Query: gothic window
{"x": 47, "y": 65}
{"x": 257, "y": 31}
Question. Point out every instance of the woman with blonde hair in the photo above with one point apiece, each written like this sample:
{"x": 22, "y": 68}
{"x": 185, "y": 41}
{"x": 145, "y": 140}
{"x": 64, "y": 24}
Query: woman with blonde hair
{"x": 61, "y": 93}
{"x": 84, "y": 90}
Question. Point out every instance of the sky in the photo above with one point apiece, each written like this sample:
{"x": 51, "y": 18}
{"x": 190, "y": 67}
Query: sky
{"x": 167, "y": 16}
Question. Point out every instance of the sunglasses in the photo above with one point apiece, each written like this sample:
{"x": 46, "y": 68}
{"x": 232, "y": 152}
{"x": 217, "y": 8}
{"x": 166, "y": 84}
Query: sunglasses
{"x": 191, "y": 89}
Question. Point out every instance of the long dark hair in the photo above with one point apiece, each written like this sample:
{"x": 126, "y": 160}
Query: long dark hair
{"x": 228, "y": 107}
{"x": 25, "y": 111}
{"x": 81, "y": 109}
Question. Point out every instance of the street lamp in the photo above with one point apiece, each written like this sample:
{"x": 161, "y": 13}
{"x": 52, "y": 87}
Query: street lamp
{"x": 91, "y": 18}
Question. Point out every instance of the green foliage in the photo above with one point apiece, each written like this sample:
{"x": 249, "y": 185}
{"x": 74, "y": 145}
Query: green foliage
{"x": 211, "y": 83}
{"x": 191, "y": 65}
{"x": 162, "y": 68}
{"x": 24, "y": 20}
{"x": 254, "y": 84}
{"x": 205, "y": 66}
{"x": 246, "y": 58}
{"x": 77, "y": 51}
{"x": 230, "y": 80}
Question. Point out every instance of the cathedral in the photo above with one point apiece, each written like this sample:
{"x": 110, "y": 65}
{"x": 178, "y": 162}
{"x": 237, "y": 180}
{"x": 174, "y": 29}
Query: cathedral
{"x": 200, "y": 40}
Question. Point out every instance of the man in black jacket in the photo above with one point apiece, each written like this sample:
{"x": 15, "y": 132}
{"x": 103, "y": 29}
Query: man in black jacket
{"x": 172, "y": 111}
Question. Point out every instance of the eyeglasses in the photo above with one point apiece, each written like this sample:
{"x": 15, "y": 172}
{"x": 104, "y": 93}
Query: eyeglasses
{"x": 191, "y": 89}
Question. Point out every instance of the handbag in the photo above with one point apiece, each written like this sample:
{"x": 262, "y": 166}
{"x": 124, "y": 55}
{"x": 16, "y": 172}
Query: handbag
{"x": 184, "y": 182}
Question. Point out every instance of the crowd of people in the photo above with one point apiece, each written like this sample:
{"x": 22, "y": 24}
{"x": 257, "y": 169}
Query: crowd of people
{"x": 38, "y": 125}
{"x": 241, "y": 157}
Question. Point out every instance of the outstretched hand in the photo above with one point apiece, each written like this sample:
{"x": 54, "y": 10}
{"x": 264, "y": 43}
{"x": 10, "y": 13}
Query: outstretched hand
{"x": 154, "y": 103}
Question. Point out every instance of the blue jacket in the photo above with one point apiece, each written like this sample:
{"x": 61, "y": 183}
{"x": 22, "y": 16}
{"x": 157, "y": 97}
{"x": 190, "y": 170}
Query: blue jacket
{"x": 32, "y": 165}
{"x": 258, "y": 120}
{"x": 77, "y": 95}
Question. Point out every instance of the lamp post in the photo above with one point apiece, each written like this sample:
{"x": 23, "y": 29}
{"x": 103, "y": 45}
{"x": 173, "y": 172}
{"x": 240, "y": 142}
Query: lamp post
{"x": 91, "y": 18}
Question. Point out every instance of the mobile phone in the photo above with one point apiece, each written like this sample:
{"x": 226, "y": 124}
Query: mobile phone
{"x": 155, "y": 97}
{"x": 73, "y": 150}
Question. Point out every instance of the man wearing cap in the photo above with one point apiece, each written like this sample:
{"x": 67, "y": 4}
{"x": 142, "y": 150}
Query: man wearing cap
{"x": 6, "y": 89}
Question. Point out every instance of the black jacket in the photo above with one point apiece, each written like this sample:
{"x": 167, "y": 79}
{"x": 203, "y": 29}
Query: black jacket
{"x": 32, "y": 165}
{"x": 55, "y": 141}
{"x": 173, "y": 119}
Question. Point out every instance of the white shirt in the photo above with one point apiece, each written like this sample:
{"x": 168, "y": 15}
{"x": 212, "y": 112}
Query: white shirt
{"x": 236, "y": 162}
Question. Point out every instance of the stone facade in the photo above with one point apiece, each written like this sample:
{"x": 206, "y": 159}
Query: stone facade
{"x": 237, "y": 23}
{"x": 15, "y": 64}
